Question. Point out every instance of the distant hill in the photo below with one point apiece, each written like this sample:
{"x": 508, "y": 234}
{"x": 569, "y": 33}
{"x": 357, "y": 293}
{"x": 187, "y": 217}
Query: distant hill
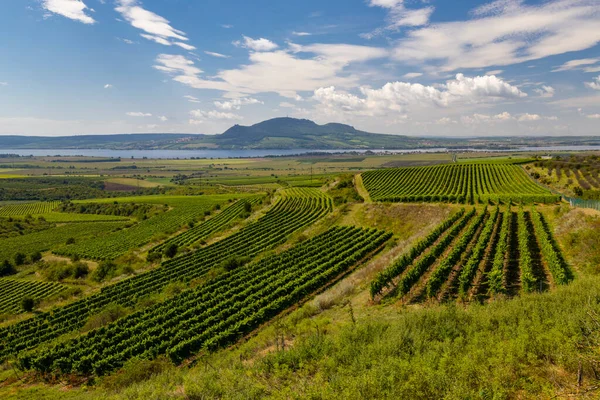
{"x": 117, "y": 142}
{"x": 291, "y": 133}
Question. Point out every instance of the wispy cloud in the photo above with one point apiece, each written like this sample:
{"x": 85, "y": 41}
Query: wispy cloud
{"x": 510, "y": 32}
{"x": 191, "y": 99}
{"x": 301, "y": 33}
{"x": 236, "y": 104}
{"x": 545, "y": 91}
{"x": 595, "y": 84}
{"x": 108, "y": 86}
{"x": 156, "y": 28}
{"x": 72, "y": 9}
{"x": 399, "y": 16}
{"x": 137, "y": 114}
{"x": 218, "y": 55}
{"x": 584, "y": 64}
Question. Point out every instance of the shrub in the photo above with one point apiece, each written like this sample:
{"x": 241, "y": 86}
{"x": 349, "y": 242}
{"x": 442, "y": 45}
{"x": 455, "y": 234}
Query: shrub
{"x": 20, "y": 259}
{"x": 105, "y": 270}
{"x": 35, "y": 257}
{"x": 27, "y": 304}
{"x": 6, "y": 268}
{"x": 171, "y": 250}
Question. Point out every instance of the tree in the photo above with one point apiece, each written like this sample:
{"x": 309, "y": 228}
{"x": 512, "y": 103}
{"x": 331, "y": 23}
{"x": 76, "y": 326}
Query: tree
{"x": 6, "y": 268}
{"x": 171, "y": 250}
{"x": 20, "y": 259}
{"x": 35, "y": 257}
{"x": 27, "y": 304}
{"x": 578, "y": 191}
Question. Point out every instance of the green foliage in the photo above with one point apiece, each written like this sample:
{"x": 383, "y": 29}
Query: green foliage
{"x": 171, "y": 250}
{"x": 6, "y": 268}
{"x": 27, "y": 303}
{"x": 298, "y": 208}
{"x": 467, "y": 183}
{"x": 20, "y": 259}
{"x": 215, "y": 314}
{"x": 105, "y": 270}
{"x": 61, "y": 270}
{"x": 12, "y": 291}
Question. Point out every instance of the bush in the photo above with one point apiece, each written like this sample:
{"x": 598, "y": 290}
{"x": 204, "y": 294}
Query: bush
{"x": 105, "y": 270}
{"x": 111, "y": 313}
{"x": 234, "y": 262}
{"x": 27, "y": 304}
{"x": 20, "y": 259}
{"x": 35, "y": 257}
{"x": 6, "y": 268}
{"x": 171, "y": 250}
{"x": 70, "y": 240}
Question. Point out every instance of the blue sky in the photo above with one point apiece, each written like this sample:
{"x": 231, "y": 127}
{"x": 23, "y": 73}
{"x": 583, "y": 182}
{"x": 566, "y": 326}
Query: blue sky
{"x": 436, "y": 67}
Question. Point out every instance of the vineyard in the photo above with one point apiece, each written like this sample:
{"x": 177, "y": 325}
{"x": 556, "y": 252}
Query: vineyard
{"x": 12, "y": 291}
{"x": 285, "y": 217}
{"x": 217, "y": 313}
{"x": 54, "y": 237}
{"x": 12, "y": 210}
{"x": 205, "y": 229}
{"x": 472, "y": 183}
{"x": 112, "y": 246}
{"x": 474, "y": 255}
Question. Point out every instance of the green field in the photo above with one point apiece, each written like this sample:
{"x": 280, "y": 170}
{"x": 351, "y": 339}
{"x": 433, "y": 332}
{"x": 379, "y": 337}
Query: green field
{"x": 388, "y": 276}
{"x": 469, "y": 183}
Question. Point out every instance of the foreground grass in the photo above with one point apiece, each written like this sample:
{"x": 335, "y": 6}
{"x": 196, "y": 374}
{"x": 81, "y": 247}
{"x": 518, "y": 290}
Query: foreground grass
{"x": 533, "y": 346}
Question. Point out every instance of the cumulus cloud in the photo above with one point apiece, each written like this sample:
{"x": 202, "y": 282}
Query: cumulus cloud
{"x": 285, "y": 104}
{"x": 218, "y": 55}
{"x": 396, "y": 97}
{"x": 163, "y": 118}
{"x": 484, "y": 118}
{"x": 108, "y": 86}
{"x": 200, "y": 116}
{"x": 529, "y": 117}
{"x": 584, "y": 64}
{"x": 594, "y": 116}
{"x": 508, "y": 32}
{"x": 399, "y": 16}
{"x": 595, "y": 84}
{"x": 545, "y": 91}
{"x": 137, "y": 114}
{"x": 72, "y": 9}
{"x": 260, "y": 44}
{"x": 236, "y": 104}
{"x": 156, "y": 28}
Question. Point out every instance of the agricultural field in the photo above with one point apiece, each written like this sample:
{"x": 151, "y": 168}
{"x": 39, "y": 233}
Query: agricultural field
{"x": 13, "y": 291}
{"x": 575, "y": 176}
{"x": 184, "y": 211}
{"x": 470, "y": 183}
{"x": 475, "y": 254}
{"x": 240, "y": 283}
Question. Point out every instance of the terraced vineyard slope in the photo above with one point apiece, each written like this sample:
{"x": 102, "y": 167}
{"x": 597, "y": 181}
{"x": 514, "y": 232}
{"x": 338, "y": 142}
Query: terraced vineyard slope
{"x": 13, "y": 291}
{"x": 474, "y": 255}
{"x": 469, "y": 183}
{"x": 217, "y": 313}
{"x": 286, "y": 216}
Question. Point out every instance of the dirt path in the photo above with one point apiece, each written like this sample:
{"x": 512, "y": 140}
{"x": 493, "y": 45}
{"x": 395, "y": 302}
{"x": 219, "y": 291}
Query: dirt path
{"x": 360, "y": 188}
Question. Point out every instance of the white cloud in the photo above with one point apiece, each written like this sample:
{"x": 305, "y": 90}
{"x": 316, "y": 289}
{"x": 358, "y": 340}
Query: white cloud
{"x": 156, "y": 28}
{"x": 199, "y": 116}
{"x": 218, "y": 55}
{"x": 72, "y": 9}
{"x": 594, "y": 116}
{"x": 301, "y": 33}
{"x": 285, "y": 104}
{"x": 138, "y": 114}
{"x": 508, "y": 33}
{"x": 236, "y": 104}
{"x": 260, "y": 44}
{"x": 3, "y": 83}
{"x": 108, "y": 86}
{"x": 484, "y": 118}
{"x": 412, "y": 75}
{"x": 163, "y": 118}
{"x": 495, "y": 72}
{"x": 191, "y": 99}
{"x": 278, "y": 71}
{"x": 128, "y": 41}
{"x": 545, "y": 91}
{"x": 529, "y": 117}
{"x": 595, "y": 84}
{"x": 581, "y": 64}
{"x": 399, "y": 16}
{"x": 396, "y": 97}
{"x": 226, "y": 26}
